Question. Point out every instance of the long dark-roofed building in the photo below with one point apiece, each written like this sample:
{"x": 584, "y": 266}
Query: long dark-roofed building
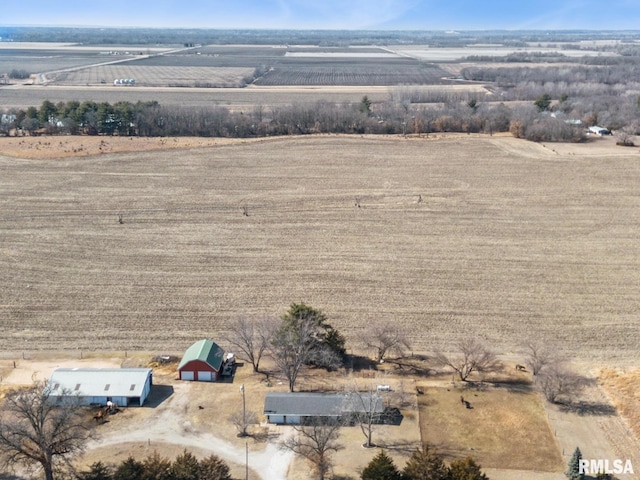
{"x": 301, "y": 407}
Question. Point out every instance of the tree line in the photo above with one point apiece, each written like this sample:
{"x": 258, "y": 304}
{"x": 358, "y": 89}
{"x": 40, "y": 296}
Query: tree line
{"x": 156, "y": 467}
{"x": 400, "y": 116}
{"x": 423, "y": 464}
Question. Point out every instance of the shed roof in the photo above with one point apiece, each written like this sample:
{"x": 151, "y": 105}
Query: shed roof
{"x": 99, "y": 382}
{"x": 320, "y": 404}
{"x": 205, "y": 351}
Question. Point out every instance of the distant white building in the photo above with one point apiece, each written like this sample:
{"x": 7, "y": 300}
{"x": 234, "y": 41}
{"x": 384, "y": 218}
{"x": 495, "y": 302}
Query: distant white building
{"x": 595, "y": 130}
{"x": 97, "y": 386}
{"x": 7, "y": 118}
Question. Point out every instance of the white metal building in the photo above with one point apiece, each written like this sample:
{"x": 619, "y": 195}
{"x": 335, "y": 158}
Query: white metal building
{"x": 97, "y": 386}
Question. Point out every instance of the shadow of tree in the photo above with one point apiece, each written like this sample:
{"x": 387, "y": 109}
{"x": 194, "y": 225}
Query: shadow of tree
{"x": 450, "y": 452}
{"x": 358, "y": 363}
{"x": 263, "y": 435}
{"x": 401, "y": 446}
{"x": 514, "y": 385}
{"x": 595, "y": 409}
{"x": 411, "y": 366}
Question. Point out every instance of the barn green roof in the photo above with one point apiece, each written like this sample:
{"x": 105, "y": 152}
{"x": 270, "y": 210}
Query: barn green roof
{"x": 205, "y": 351}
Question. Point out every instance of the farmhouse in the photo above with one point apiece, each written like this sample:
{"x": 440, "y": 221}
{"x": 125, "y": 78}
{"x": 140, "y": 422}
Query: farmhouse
{"x": 298, "y": 408}
{"x": 97, "y": 386}
{"x": 202, "y": 362}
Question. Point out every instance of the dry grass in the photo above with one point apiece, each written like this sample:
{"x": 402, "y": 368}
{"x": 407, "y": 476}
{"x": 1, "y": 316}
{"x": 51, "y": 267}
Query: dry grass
{"x": 503, "y": 429}
{"x": 511, "y": 241}
{"x": 623, "y": 388}
{"x": 84, "y": 146}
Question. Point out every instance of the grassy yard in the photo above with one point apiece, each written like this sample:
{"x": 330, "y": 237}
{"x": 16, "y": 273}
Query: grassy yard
{"x": 504, "y": 428}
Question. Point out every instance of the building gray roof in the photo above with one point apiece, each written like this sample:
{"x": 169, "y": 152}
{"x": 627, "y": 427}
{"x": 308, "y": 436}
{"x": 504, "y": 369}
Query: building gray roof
{"x": 99, "y": 382}
{"x": 320, "y": 404}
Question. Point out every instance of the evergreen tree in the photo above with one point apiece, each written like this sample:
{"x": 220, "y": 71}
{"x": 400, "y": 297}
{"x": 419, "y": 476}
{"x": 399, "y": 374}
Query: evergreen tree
{"x": 365, "y": 105}
{"x": 466, "y": 469}
{"x": 214, "y": 468}
{"x": 185, "y": 467}
{"x": 425, "y": 464}
{"x": 381, "y": 467}
{"x": 324, "y": 336}
{"x": 47, "y": 113}
{"x": 130, "y": 469}
{"x": 97, "y": 471}
{"x": 543, "y": 103}
{"x": 157, "y": 467}
{"x": 573, "y": 468}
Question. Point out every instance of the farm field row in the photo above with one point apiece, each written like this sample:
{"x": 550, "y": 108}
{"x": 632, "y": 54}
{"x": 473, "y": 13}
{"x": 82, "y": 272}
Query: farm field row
{"x": 511, "y": 241}
{"x": 156, "y": 76}
{"x": 359, "y": 74}
{"x": 23, "y": 96}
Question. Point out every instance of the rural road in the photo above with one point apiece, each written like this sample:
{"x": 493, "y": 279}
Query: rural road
{"x": 168, "y": 426}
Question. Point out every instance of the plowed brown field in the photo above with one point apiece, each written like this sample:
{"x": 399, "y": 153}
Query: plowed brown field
{"x": 511, "y": 241}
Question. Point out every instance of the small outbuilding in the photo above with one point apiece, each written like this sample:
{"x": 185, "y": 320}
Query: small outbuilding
{"x": 202, "y": 362}
{"x": 300, "y": 407}
{"x": 97, "y": 386}
{"x": 596, "y": 130}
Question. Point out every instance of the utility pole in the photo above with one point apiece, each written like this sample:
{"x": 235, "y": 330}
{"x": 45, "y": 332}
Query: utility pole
{"x": 244, "y": 413}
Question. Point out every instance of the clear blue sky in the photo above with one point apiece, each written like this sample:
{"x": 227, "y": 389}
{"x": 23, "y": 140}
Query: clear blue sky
{"x": 329, "y": 14}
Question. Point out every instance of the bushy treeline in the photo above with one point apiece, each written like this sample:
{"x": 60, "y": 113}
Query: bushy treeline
{"x": 396, "y": 116}
{"x": 423, "y": 464}
{"x": 155, "y": 467}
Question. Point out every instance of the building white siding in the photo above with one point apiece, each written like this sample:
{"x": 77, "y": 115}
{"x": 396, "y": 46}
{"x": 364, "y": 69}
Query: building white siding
{"x": 97, "y": 386}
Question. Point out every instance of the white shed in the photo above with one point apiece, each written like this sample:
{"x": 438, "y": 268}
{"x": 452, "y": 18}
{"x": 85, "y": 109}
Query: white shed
{"x": 97, "y": 386}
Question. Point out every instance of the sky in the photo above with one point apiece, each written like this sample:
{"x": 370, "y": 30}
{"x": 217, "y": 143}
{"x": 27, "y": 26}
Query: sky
{"x": 329, "y": 14}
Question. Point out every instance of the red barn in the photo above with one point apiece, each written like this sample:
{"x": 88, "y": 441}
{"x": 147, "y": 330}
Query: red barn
{"x": 202, "y": 362}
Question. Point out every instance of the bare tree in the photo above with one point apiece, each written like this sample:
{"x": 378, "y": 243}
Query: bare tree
{"x": 292, "y": 348}
{"x": 625, "y": 136}
{"x": 304, "y": 338}
{"x": 538, "y": 355}
{"x": 35, "y": 431}
{"x": 251, "y": 337}
{"x": 559, "y": 384}
{"x": 366, "y": 408}
{"x": 473, "y": 356}
{"x": 386, "y": 338}
{"x": 315, "y": 442}
{"x": 242, "y": 421}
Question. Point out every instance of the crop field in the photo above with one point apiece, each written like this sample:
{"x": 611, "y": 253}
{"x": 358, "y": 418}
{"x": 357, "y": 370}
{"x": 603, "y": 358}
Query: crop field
{"x": 347, "y": 72}
{"x": 156, "y": 76}
{"x": 34, "y": 61}
{"x": 43, "y": 57}
{"x": 239, "y": 99}
{"x": 455, "y": 236}
{"x": 330, "y": 74}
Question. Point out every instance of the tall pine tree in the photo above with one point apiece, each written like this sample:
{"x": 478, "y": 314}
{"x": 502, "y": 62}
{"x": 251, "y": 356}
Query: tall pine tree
{"x": 425, "y": 464}
{"x": 381, "y": 467}
{"x": 466, "y": 469}
{"x": 573, "y": 468}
